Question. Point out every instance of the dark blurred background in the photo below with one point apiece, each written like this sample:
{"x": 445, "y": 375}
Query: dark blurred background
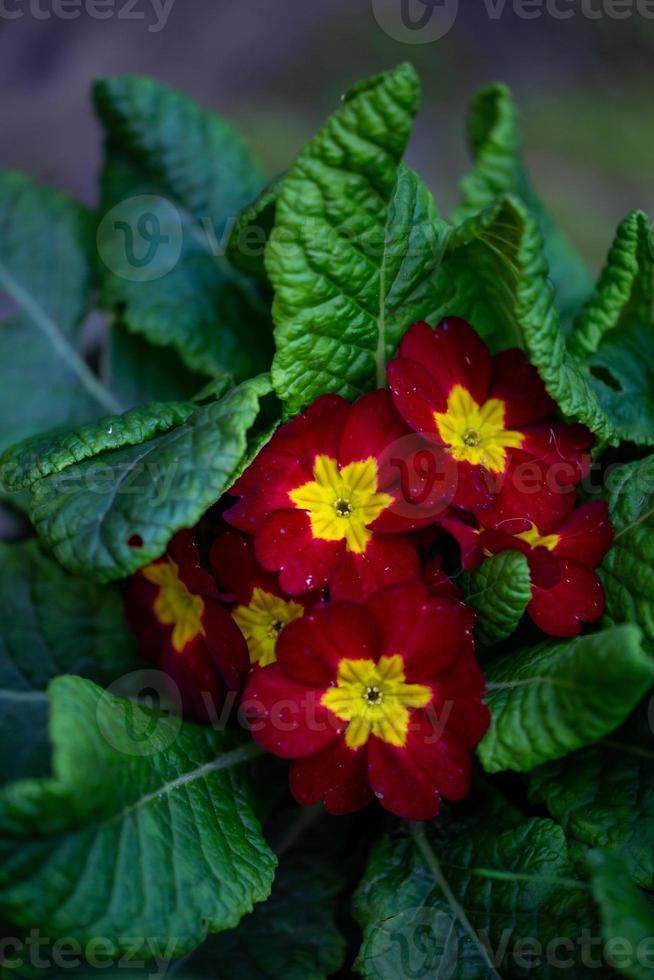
{"x": 277, "y": 67}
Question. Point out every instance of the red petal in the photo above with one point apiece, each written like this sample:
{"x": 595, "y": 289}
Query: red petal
{"x": 416, "y": 396}
{"x": 184, "y": 552}
{"x": 318, "y": 431}
{"x": 372, "y": 425}
{"x": 458, "y": 701}
{"x": 453, "y": 354}
{"x": 225, "y": 644}
{"x": 386, "y": 560}
{"x": 421, "y": 477}
{"x": 196, "y": 678}
{"x": 528, "y": 495}
{"x": 310, "y": 649}
{"x": 338, "y": 776}
{"x": 286, "y": 544}
{"x": 285, "y": 717}
{"x": 587, "y": 534}
{"x": 519, "y": 385}
{"x": 427, "y": 632}
{"x": 467, "y": 537}
{"x": 409, "y": 781}
{"x": 436, "y": 581}
{"x": 578, "y": 598}
{"x": 264, "y": 488}
{"x": 234, "y": 564}
{"x": 564, "y": 448}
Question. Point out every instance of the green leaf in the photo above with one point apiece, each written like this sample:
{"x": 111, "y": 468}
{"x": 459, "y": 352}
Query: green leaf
{"x": 354, "y": 247}
{"x": 453, "y": 900}
{"x": 623, "y": 295}
{"x": 603, "y": 796}
{"x": 250, "y": 233}
{"x": 291, "y": 936}
{"x": 499, "y": 591}
{"x": 622, "y": 376}
{"x": 114, "y": 512}
{"x": 628, "y": 569}
{"x": 46, "y": 454}
{"x": 550, "y": 699}
{"x": 627, "y": 917}
{"x": 496, "y": 145}
{"x": 614, "y": 333}
{"x": 138, "y": 373}
{"x": 495, "y": 275}
{"x": 46, "y": 252}
{"x": 145, "y": 830}
{"x": 50, "y": 623}
{"x": 175, "y": 174}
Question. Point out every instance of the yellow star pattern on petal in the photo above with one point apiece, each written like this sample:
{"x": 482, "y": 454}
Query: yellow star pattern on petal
{"x": 262, "y": 621}
{"x": 174, "y": 605}
{"x": 375, "y": 699}
{"x": 475, "y": 433}
{"x": 342, "y": 503}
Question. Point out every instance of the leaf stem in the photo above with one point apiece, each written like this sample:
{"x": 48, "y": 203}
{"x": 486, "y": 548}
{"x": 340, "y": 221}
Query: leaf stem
{"x": 423, "y": 845}
{"x": 61, "y": 345}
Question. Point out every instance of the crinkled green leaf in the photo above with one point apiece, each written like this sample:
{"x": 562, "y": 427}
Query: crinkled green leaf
{"x": 550, "y": 699}
{"x": 46, "y": 454}
{"x": 46, "y": 250}
{"x": 496, "y": 145}
{"x": 354, "y": 247}
{"x": 499, "y": 591}
{"x": 249, "y": 236}
{"x": 173, "y": 169}
{"x": 495, "y": 275}
{"x": 623, "y": 294}
{"x": 114, "y": 512}
{"x": 628, "y": 569}
{"x": 453, "y": 899}
{"x": 603, "y": 796}
{"x": 145, "y": 829}
{"x": 627, "y": 917}
{"x": 50, "y": 623}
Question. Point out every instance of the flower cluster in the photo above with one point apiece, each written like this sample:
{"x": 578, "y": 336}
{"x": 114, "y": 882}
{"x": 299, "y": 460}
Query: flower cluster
{"x": 322, "y": 583}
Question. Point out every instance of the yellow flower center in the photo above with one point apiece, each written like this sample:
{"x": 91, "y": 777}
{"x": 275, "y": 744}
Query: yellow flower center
{"x": 475, "y": 433}
{"x": 262, "y": 621}
{"x": 536, "y": 540}
{"x": 375, "y": 700}
{"x": 175, "y": 606}
{"x": 341, "y": 503}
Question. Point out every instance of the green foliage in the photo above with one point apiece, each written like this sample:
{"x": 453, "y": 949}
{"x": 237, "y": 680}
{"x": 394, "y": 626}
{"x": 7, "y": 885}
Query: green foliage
{"x": 628, "y": 569}
{"x": 499, "y": 591}
{"x": 184, "y": 171}
{"x": 627, "y": 917}
{"x": 46, "y": 454}
{"x": 496, "y": 146}
{"x": 50, "y": 624}
{"x": 354, "y": 246}
{"x": 603, "y": 796}
{"x": 623, "y": 295}
{"x": 94, "y": 850}
{"x": 46, "y": 251}
{"x": 453, "y": 900}
{"x": 114, "y": 512}
{"x": 550, "y": 699}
